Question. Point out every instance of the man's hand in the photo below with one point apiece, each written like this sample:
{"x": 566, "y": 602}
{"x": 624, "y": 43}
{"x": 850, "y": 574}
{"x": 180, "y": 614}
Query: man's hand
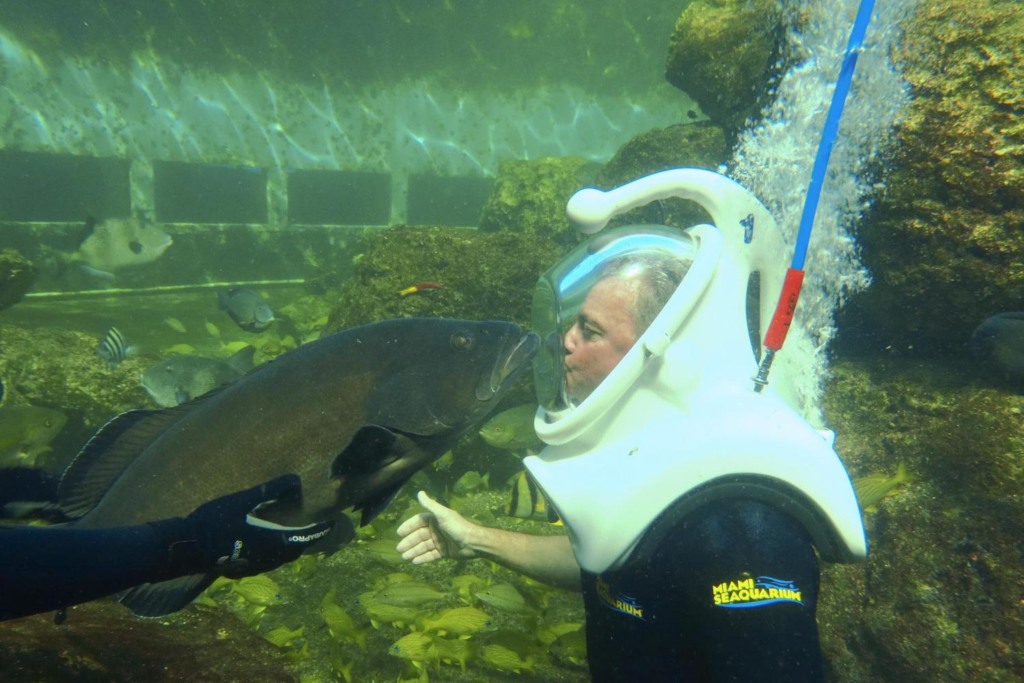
{"x": 438, "y": 532}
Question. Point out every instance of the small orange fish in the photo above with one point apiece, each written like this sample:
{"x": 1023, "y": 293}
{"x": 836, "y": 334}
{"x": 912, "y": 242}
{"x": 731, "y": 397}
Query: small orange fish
{"x": 419, "y": 287}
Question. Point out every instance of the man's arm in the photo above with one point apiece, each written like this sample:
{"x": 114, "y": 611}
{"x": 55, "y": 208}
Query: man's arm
{"x": 442, "y": 532}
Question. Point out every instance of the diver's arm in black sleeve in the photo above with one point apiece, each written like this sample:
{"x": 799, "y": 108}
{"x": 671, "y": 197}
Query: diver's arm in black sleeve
{"x": 47, "y": 568}
{"x": 767, "y": 634}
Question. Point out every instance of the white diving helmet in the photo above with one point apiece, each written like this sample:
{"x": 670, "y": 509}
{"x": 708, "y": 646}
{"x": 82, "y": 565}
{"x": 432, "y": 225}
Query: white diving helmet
{"x": 678, "y": 417}
{"x": 626, "y": 253}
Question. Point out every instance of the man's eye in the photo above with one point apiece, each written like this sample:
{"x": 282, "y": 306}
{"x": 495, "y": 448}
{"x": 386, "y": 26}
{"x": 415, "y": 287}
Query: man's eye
{"x": 590, "y": 332}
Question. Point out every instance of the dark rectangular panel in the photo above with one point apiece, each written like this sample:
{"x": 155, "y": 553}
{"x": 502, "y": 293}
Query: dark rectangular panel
{"x": 62, "y": 187}
{"x": 339, "y": 198}
{"x": 200, "y": 193}
{"x": 447, "y": 200}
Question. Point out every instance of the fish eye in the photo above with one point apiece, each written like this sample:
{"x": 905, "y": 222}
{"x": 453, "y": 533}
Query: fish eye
{"x": 461, "y": 341}
{"x": 48, "y": 423}
{"x": 135, "y": 246}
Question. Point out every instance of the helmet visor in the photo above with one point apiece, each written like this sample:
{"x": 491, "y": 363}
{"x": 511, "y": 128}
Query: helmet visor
{"x": 651, "y": 259}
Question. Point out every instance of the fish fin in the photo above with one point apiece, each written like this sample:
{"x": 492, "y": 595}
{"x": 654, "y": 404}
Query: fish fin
{"x": 106, "y": 455}
{"x": 96, "y": 272}
{"x": 370, "y": 448}
{"x": 87, "y": 230}
{"x": 551, "y": 515}
{"x": 165, "y": 597}
{"x": 25, "y": 510}
{"x": 523, "y": 502}
{"x": 242, "y": 359}
{"x": 372, "y": 507}
{"x": 902, "y": 475}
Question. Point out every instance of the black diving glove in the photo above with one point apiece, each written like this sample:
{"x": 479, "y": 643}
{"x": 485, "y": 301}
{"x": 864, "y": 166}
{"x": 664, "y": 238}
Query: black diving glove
{"x": 225, "y": 537}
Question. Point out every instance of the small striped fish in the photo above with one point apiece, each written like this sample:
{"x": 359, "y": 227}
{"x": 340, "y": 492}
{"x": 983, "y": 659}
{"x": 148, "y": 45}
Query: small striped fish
{"x": 112, "y": 348}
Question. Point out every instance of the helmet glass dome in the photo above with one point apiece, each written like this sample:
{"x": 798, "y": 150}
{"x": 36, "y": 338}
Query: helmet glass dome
{"x": 642, "y": 264}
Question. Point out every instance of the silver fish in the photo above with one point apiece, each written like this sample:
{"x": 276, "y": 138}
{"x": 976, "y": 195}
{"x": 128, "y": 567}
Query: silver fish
{"x": 182, "y": 378}
{"x": 247, "y": 308}
{"x": 108, "y": 246}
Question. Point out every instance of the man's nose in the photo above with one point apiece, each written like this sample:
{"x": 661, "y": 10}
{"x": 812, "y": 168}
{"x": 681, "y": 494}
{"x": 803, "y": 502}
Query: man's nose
{"x": 570, "y": 340}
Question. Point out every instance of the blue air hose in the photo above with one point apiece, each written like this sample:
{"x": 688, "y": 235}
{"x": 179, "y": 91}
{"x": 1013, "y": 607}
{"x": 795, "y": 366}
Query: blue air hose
{"x": 831, "y": 129}
{"x": 783, "y": 316}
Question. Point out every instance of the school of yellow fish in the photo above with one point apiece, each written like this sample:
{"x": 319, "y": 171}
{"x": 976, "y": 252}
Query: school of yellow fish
{"x": 469, "y": 617}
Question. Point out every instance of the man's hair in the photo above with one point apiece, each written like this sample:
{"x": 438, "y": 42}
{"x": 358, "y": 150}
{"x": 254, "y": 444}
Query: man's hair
{"x": 654, "y": 277}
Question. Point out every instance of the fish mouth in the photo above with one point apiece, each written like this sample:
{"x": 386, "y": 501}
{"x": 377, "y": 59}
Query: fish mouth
{"x": 517, "y": 360}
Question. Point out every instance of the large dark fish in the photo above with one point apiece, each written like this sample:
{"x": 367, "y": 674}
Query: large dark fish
{"x": 354, "y": 414}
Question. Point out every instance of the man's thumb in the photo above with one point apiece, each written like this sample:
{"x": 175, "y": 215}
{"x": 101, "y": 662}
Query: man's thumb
{"x": 431, "y": 505}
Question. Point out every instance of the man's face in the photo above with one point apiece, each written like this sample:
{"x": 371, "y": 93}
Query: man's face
{"x": 600, "y": 337}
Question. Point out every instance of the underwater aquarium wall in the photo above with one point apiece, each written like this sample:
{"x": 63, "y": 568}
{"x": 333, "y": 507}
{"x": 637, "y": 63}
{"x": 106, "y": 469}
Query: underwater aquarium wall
{"x": 260, "y": 96}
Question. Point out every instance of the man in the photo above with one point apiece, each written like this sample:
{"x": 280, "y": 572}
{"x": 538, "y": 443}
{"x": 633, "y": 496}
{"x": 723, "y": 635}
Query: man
{"x": 620, "y": 306}
{"x": 49, "y": 568}
{"x": 653, "y": 616}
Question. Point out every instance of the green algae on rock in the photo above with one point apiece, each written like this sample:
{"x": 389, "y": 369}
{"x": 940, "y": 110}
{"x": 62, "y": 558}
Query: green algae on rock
{"x": 724, "y": 53}
{"x": 529, "y": 197}
{"x": 945, "y": 235}
{"x": 479, "y": 278}
{"x": 939, "y": 596}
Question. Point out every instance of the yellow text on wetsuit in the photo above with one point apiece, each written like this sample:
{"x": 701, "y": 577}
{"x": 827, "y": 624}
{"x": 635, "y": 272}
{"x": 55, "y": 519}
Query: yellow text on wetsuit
{"x": 745, "y": 591}
{"x": 618, "y": 604}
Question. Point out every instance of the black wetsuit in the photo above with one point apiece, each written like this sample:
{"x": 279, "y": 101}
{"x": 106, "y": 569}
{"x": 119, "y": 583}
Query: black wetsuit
{"x": 726, "y": 593}
{"x": 46, "y": 568}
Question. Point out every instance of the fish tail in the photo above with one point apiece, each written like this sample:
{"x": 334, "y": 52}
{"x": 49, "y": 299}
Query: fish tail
{"x": 104, "y": 275}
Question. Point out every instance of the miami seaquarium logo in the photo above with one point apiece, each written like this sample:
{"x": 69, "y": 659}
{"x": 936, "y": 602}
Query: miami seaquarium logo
{"x": 750, "y": 592}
